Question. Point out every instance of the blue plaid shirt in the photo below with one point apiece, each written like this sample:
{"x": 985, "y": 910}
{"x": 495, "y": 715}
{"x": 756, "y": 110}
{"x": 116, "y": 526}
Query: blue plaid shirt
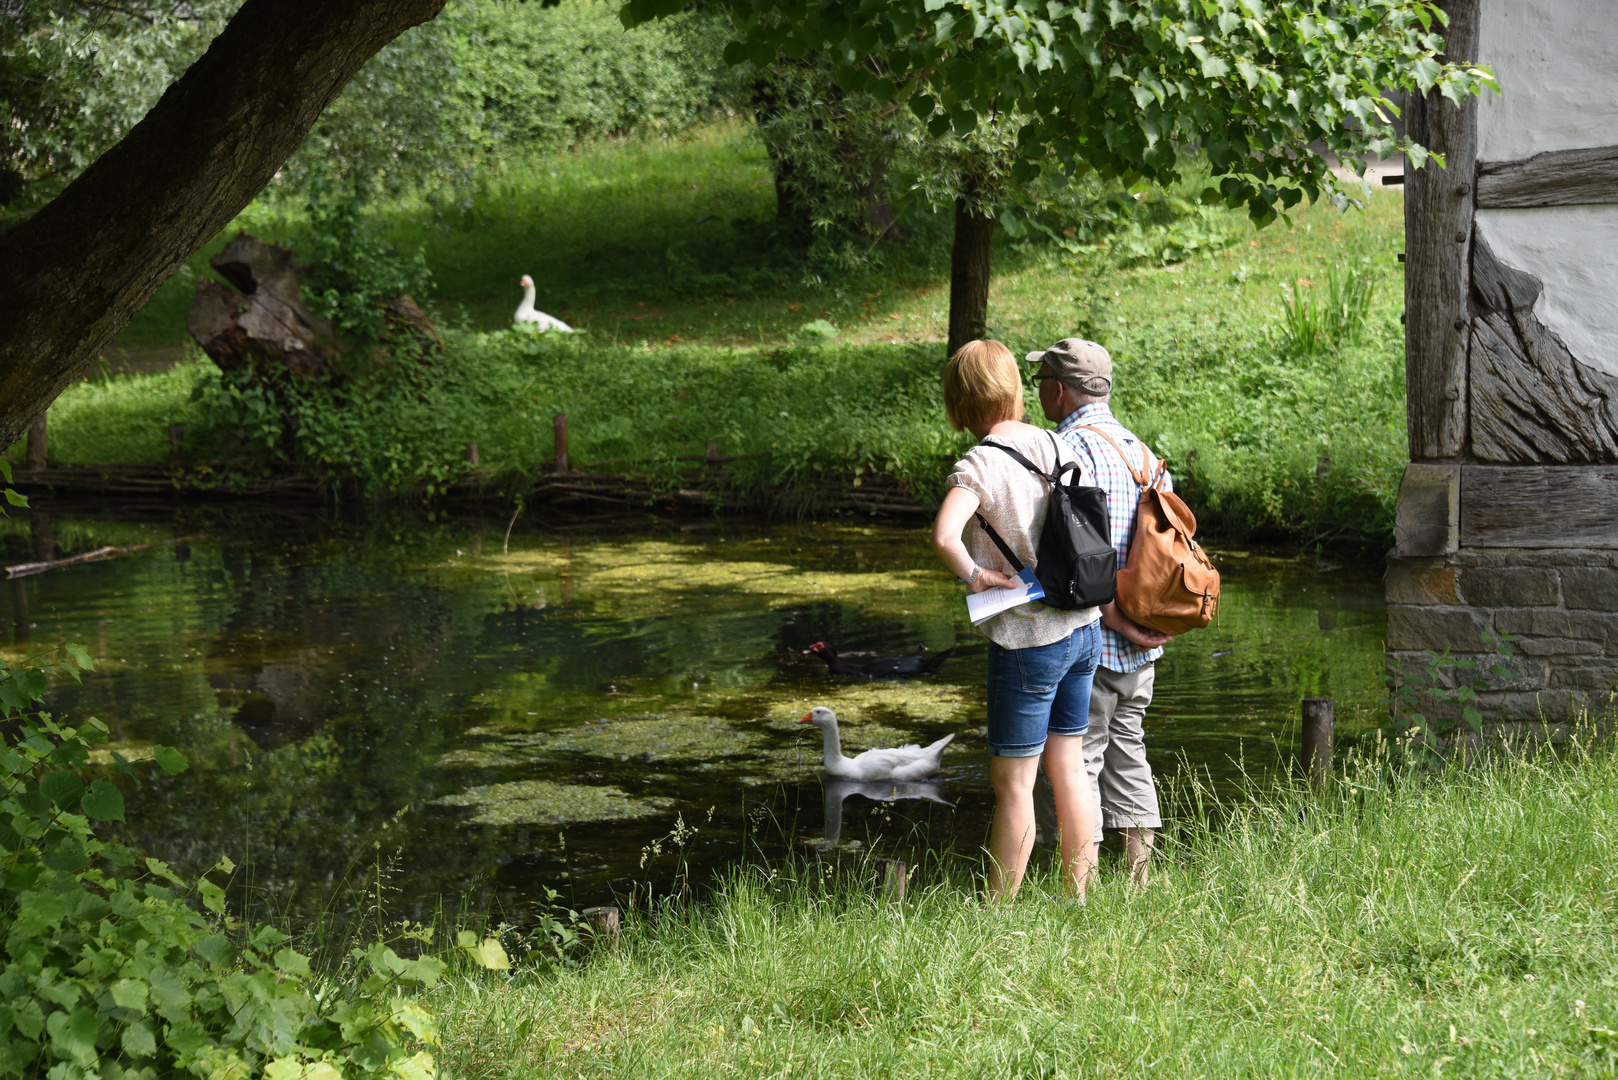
{"x": 1113, "y": 476}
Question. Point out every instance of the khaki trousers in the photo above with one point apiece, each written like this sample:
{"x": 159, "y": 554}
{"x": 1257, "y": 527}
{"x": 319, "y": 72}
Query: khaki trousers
{"x": 1115, "y": 750}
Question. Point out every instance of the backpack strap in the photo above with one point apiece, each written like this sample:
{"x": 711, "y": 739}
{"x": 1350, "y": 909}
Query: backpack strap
{"x": 1143, "y": 477}
{"x": 1011, "y": 556}
{"x": 1054, "y": 478}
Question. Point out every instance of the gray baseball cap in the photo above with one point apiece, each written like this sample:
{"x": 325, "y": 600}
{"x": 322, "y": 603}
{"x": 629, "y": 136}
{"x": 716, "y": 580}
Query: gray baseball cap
{"x": 1077, "y": 362}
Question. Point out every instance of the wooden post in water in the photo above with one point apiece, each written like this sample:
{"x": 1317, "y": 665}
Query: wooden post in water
{"x": 891, "y": 875}
{"x": 36, "y": 443}
{"x": 471, "y": 453}
{"x": 1318, "y": 721}
{"x": 561, "y": 442}
{"x": 176, "y": 439}
{"x": 603, "y": 923}
{"x": 713, "y": 456}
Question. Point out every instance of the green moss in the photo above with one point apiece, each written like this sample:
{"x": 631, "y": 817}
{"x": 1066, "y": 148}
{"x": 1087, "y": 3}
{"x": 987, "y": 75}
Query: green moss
{"x": 542, "y": 802}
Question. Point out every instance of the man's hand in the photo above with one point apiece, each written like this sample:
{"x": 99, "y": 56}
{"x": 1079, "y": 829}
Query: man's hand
{"x": 1132, "y": 631}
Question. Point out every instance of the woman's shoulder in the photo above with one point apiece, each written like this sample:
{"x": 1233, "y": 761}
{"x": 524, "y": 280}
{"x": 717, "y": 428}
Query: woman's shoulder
{"x": 1038, "y": 444}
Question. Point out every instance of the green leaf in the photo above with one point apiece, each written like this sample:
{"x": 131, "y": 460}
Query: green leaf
{"x": 161, "y": 869}
{"x": 80, "y": 655}
{"x": 62, "y": 788}
{"x": 16, "y": 498}
{"x": 104, "y": 801}
{"x": 293, "y": 963}
{"x": 138, "y": 1040}
{"x": 213, "y": 897}
{"x": 491, "y": 954}
{"x": 73, "y": 1034}
{"x": 217, "y": 950}
{"x": 172, "y": 761}
{"x": 129, "y": 994}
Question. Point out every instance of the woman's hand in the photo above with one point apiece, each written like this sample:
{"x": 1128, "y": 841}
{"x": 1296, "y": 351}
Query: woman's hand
{"x": 1132, "y": 631}
{"x": 992, "y": 579}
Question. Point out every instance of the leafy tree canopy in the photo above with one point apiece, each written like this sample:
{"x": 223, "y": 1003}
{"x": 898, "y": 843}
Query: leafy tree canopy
{"x": 1125, "y": 88}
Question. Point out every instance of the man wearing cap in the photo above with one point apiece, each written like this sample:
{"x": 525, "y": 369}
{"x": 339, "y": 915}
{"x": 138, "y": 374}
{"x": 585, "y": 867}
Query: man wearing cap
{"x": 1075, "y": 385}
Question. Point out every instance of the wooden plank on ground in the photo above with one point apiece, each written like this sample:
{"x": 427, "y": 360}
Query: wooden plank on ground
{"x": 1539, "y": 506}
{"x": 1555, "y": 178}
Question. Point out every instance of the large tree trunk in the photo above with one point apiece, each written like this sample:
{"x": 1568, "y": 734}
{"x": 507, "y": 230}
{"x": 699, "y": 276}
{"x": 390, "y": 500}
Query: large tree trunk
{"x": 969, "y": 275}
{"x": 792, "y": 210}
{"x": 75, "y": 274}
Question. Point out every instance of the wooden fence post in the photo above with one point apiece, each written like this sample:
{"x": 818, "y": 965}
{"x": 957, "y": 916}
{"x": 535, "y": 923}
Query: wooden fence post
{"x": 891, "y": 875}
{"x": 1318, "y": 721}
{"x": 471, "y": 453}
{"x": 561, "y": 442}
{"x": 36, "y": 443}
{"x": 603, "y": 923}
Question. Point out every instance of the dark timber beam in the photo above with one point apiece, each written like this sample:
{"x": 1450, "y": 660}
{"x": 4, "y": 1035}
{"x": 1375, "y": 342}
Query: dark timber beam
{"x": 1438, "y": 234}
{"x": 1539, "y": 506}
{"x": 1555, "y": 178}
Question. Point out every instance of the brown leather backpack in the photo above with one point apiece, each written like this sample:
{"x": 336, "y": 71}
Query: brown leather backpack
{"x": 1169, "y": 584}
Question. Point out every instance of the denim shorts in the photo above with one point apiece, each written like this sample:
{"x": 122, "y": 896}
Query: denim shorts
{"x": 1041, "y": 691}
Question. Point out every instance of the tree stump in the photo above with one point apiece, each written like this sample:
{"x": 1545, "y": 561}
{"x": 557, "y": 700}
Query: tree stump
{"x": 261, "y": 324}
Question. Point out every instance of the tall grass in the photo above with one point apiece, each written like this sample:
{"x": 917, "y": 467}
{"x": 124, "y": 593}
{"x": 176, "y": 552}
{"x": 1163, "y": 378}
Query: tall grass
{"x": 1404, "y": 924}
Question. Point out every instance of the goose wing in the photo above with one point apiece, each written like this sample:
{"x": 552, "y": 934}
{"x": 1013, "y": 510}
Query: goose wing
{"x": 882, "y": 764}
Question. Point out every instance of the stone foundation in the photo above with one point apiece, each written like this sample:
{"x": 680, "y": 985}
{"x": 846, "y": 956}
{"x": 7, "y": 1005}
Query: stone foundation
{"x": 1561, "y": 605}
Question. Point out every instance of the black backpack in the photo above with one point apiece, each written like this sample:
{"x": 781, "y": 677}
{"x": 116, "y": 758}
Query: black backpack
{"x": 1077, "y": 565}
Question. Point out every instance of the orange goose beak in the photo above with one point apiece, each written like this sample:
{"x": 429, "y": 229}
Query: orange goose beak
{"x": 804, "y": 719}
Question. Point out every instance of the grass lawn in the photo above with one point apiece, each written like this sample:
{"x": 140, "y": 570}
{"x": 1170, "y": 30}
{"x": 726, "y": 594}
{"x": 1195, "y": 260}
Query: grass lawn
{"x": 1403, "y": 925}
{"x": 665, "y": 255}
{"x": 665, "y": 242}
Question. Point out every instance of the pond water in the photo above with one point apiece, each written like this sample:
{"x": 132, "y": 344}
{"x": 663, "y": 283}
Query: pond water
{"x": 400, "y": 699}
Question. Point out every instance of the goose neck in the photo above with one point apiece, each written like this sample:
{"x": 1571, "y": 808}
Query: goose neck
{"x": 834, "y": 744}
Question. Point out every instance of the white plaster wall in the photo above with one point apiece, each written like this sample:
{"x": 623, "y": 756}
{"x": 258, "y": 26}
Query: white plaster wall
{"x": 1557, "y": 65}
{"x": 1573, "y": 250}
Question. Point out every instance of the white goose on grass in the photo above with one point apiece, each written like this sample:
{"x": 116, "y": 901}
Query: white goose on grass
{"x": 898, "y": 763}
{"x": 527, "y": 314}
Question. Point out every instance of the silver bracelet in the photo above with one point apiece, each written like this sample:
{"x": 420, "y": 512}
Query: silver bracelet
{"x": 976, "y": 570}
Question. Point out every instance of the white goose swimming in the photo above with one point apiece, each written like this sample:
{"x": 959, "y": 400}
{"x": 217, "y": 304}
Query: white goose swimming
{"x": 899, "y": 763}
{"x": 526, "y": 314}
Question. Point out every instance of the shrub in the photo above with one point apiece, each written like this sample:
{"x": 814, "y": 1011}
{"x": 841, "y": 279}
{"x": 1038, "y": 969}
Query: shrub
{"x": 106, "y": 971}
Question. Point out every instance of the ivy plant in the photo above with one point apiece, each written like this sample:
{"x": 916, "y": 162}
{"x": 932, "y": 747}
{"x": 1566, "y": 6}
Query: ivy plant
{"x": 113, "y": 967}
{"x": 1127, "y": 88}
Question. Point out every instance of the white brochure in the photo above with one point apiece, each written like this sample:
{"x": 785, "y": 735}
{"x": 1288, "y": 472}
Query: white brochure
{"x": 991, "y": 602}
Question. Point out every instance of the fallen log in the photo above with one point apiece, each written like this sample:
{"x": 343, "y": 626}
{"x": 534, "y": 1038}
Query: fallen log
{"x": 100, "y": 554}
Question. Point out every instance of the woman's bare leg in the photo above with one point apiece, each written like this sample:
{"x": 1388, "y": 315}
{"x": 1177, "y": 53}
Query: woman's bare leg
{"x": 1012, "y": 837}
{"x": 1075, "y": 808}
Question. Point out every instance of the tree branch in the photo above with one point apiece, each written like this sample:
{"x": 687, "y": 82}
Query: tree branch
{"x": 74, "y": 274}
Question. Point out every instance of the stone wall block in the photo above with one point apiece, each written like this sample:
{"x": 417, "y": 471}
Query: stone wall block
{"x": 1422, "y": 581}
{"x": 1593, "y": 625}
{"x": 1590, "y": 588}
{"x": 1536, "y": 622}
{"x": 1520, "y": 705}
{"x": 1533, "y": 646}
{"x": 1512, "y": 587}
{"x": 1584, "y": 676}
{"x": 1413, "y": 627}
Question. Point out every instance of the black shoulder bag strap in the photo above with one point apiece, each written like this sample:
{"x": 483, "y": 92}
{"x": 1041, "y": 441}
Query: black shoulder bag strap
{"x": 1053, "y": 479}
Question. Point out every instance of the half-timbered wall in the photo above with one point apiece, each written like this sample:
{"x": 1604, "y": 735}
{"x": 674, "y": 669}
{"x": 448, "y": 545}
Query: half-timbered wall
{"x": 1508, "y": 514}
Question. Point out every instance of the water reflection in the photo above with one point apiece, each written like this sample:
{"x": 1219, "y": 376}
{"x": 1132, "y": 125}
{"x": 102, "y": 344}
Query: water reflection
{"x": 483, "y": 723}
{"x": 835, "y": 792}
